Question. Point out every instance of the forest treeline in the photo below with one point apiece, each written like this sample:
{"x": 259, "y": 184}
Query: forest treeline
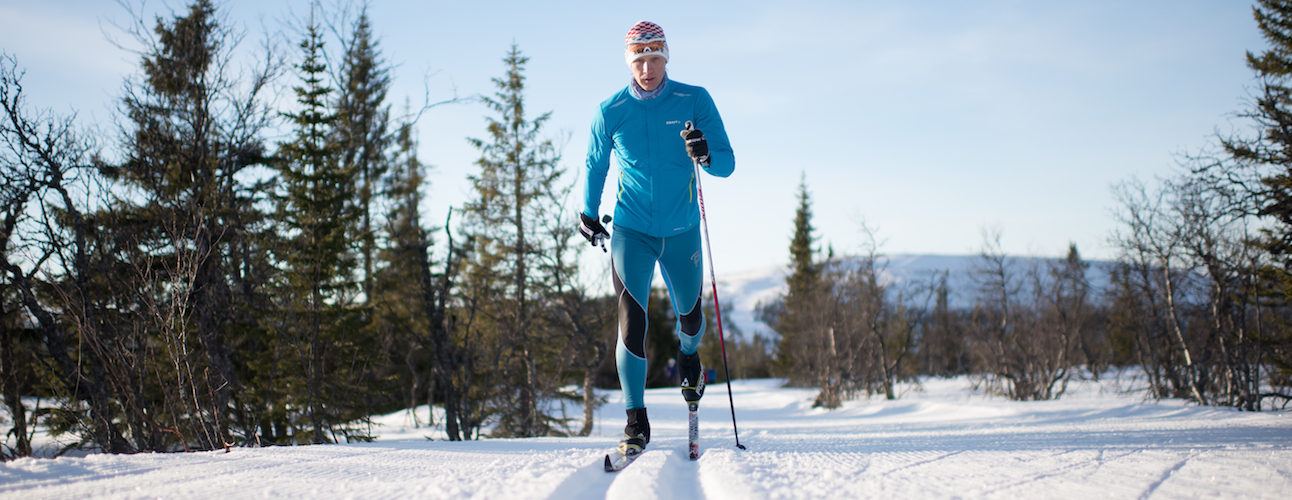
{"x": 182, "y": 282}
{"x": 1187, "y": 305}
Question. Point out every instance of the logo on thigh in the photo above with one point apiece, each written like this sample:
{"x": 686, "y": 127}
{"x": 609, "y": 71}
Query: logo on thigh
{"x": 695, "y": 258}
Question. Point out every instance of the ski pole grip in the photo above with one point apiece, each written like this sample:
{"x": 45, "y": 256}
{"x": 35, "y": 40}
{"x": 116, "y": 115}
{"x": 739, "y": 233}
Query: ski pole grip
{"x": 605, "y": 219}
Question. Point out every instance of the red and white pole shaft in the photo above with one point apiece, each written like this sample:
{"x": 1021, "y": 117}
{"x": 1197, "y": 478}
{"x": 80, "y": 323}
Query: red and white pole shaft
{"x": 717, "y": 307}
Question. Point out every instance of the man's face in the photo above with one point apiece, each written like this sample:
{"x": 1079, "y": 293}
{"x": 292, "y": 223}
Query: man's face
{"x": 648, "y": 71}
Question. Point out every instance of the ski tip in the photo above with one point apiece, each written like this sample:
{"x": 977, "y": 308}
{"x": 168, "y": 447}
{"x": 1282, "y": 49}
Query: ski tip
{"x": 610, "y": 466}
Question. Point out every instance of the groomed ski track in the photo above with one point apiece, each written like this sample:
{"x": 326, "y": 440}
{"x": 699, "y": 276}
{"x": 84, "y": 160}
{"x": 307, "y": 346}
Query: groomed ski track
{"x": 945, "y": 442}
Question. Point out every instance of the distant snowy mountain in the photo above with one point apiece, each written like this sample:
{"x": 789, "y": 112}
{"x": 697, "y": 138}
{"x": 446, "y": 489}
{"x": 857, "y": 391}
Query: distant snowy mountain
{"x": 745, "y": 290}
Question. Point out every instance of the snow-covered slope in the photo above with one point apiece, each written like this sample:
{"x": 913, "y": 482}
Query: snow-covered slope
{"x": 941, "y": 441}
{"x": 744, "y": 290}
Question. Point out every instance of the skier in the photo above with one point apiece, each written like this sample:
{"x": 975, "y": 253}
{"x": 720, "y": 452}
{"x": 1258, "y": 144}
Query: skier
{"x": 657, "y": 220}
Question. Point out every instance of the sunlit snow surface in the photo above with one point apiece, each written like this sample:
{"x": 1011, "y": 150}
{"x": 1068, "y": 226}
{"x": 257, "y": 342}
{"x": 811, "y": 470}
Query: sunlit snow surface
{"x": 944, "y": 441}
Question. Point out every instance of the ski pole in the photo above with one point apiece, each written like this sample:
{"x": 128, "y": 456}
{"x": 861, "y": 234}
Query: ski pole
{"x": 717, "y": 307}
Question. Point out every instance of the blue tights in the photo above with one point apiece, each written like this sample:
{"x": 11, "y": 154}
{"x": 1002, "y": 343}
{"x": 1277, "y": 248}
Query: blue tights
{"x": 634, "y": 255}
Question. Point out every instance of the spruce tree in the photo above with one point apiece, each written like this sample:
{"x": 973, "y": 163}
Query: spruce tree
{"x": 363, "y": 121}
{"x": 315, "y": 213}
{"x": 190, "y": 129}
{"x": 411, "y": 301}
{"x": 805, "y": 270}
{"x": 1270, "y": 153}
{"x": 518, "y": 174}
{"x": 397, "y": 290}
{"x": 801, "y": 285}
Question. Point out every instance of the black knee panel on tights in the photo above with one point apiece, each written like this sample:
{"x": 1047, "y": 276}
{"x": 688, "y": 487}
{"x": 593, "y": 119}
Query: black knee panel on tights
{"x": 632, "y": 319}
{"x": 692, "y": 321}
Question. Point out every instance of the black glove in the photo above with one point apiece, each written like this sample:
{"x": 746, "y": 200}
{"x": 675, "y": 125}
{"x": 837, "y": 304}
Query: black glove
{"x": 696, "y": 147}
{"x": 592, "y": 229}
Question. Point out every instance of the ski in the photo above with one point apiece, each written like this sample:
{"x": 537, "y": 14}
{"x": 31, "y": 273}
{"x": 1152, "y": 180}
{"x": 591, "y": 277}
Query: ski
{"x": 693, "y": 430}
{"x": 617, "y": 460}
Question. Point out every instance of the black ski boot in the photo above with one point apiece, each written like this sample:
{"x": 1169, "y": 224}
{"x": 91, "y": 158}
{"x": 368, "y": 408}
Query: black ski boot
{"x": 692, "y": 377}
{"x": 636, "y": 433}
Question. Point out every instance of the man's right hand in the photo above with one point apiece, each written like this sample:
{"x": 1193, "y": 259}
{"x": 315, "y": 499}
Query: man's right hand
{"x": 592, "y": 229}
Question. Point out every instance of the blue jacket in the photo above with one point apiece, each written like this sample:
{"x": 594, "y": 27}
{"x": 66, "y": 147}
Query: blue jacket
{"x": 657, "y": 191}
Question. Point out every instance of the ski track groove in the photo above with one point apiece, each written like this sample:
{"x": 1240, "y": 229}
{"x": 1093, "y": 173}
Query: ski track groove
{"x": 1100, "y": 461}
{"x": 687, "y": 475}
{"x": 1167, "y": 475}
{"x": 1052, "y": 472}
{"x": 585, "y": 480}
{"x": 643, "y": 478}
{"x": 922, "y": 463}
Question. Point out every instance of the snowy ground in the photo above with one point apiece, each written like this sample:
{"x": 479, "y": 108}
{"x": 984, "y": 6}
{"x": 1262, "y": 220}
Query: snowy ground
{"x": 943, "y": 442}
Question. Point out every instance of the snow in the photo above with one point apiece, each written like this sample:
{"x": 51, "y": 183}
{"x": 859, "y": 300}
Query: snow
{"x": 941, "y": 440}
{"x": 744, "y": 291}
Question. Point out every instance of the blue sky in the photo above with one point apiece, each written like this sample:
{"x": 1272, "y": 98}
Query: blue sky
{"x": 930, "y": 120}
